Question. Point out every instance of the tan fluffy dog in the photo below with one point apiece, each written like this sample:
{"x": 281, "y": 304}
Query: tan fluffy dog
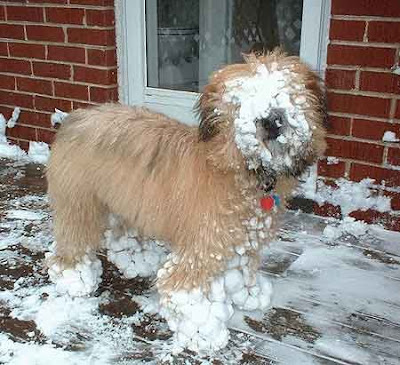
{"x": 196, "y": 188}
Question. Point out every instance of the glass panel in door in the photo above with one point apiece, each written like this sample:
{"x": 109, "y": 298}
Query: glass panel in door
{"x": 186, "y": 40}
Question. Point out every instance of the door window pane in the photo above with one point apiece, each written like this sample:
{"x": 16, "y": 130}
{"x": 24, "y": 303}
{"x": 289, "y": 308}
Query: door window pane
{"x": 188, "y": 39}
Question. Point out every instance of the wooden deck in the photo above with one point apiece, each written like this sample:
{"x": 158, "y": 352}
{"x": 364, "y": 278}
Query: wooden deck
{"x": 334, "y": 302}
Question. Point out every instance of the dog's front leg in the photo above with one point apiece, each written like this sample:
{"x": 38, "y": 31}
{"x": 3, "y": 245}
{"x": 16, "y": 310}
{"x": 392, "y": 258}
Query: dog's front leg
{"x": 248, "y": 289}
{"x": 194, "y": 304}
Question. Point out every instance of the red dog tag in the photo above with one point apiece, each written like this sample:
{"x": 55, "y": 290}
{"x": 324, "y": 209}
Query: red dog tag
{"x": 267, "y": 203}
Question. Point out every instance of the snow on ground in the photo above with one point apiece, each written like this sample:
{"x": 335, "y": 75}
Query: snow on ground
{"x": 349, "y": 195}
{"x": 38, "y": 152}
{"x": 334, "y": 300}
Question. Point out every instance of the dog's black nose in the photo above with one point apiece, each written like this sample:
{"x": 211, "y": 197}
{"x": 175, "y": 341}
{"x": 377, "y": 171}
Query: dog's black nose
{"x": 273, "y": 124}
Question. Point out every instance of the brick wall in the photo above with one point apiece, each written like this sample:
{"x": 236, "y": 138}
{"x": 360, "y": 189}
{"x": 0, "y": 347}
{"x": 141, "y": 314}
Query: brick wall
{"x": 54, "y": 54}
{"x": 363, "y": 96}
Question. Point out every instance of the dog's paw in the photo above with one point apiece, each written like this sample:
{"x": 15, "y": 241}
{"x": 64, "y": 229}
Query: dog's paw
{"x": 198, "y": 321}
{"x": 79, "y": 281}
{"x": 134, "y": 258}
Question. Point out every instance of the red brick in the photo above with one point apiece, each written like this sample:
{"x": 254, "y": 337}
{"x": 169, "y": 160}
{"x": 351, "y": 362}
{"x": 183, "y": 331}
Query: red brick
{"x": 103, "y": 18}
{"x": 34, "y": 85}
{"x": 22, "y": 132}
{"x": 345, "y": 30}
{"x": 103, "y": 95}
{"x": 327, "y": 210}
{"x": 397, "y": 113}
{"x": 44, "y": 135}
{"x": 97, "y": 37}
{"x": 2, "y": 13}
{"x": 35, "y": 118}
{"x": 69, "y": 54}
{"x": 393, "y": 157}
{"x": 339, "y": 125}
{"x": 15, "y": 66}
{"x": 49, "y": 1}
{"x": 16, "y": 99}
{"x": 7, "y": 82}
{"x": 385, "y": 32}
{"x": 357, "y": 104}
{"x": 102, "y": 57}
{"x": 3, "y": 49}
{"x": 372, "y": 216}
{"x": 54, "y": 70}
{"x": 361, "y": 151}
{"x": 371, "y": 129}
{"x": 13, "y": 141}
{"x": 6, "y": 111}
{"x": 93, "y": 2}
{"x": 48, "y": 104}
{"x": 394, "y": 199}
{"x": 24, "y": 145}
{"x": 361, "y": 56}
{"x": 95, "y": 75}
{"x": 65, "y": 15}
{"x": 380, "y": 82}
{"x": 25, "y": 13}
{"x": 27, "y": 50}
{"x": 340, "y": 79}
{"x": 45, "y": 33}
{"x": 71, "y": 91}
{"x": 331, "y": 170}
{"x": 359, "y": 172}
{"x": 393, "y": 223}
{"x": 79, "y": 105}
{"x": 12, "y": 31}
{"x": 366, "y": 7}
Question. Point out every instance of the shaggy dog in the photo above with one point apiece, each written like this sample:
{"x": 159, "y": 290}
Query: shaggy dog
{"x": 209, "y": 192}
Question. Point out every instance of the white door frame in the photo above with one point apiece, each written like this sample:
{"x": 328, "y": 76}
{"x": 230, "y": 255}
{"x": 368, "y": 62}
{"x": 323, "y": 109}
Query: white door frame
{"x": 131, "y": 49}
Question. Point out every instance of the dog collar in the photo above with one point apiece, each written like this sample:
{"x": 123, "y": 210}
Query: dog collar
{"x": 270, "y": 201}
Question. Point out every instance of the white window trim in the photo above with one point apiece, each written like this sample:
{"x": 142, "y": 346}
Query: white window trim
{"x": 131, "y": 46}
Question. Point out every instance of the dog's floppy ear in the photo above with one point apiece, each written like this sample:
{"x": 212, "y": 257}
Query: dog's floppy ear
{"x": 315, "y": 84}
{"x": 207, "y": 111}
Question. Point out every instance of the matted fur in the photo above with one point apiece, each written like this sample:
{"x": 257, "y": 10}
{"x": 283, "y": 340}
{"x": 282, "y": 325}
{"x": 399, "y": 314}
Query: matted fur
{"x": 187, "y": 186}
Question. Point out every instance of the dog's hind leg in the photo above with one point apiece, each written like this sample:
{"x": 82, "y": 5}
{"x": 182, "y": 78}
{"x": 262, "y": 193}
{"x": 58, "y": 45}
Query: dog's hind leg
{"x": 79, "y": 223}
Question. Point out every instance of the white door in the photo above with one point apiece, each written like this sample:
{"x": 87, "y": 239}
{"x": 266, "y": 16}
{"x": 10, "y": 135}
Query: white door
{"x": 168, "y": 48}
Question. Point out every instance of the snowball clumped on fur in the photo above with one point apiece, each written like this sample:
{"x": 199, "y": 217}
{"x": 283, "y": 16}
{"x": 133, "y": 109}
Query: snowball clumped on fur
{"x": 133, "y": 258}
{"x": 79, "y": 281}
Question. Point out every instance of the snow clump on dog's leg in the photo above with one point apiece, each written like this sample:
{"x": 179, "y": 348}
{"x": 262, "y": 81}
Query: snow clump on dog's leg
{"x": 198, "y": 319}
{"x": 81, "y": 280}
{"x": 134, "y": 258}
{"x": 248, "y": 289}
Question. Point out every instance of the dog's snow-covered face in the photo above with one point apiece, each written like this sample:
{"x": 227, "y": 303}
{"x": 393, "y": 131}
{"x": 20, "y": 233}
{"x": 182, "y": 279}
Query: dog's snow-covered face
{"x": 271, "y": 129}
{"x": 275, "y": 106}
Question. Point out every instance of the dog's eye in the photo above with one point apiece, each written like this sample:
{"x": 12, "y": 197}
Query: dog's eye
{"x": 273, "y": 123}
{"x": 272, "y": 128}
